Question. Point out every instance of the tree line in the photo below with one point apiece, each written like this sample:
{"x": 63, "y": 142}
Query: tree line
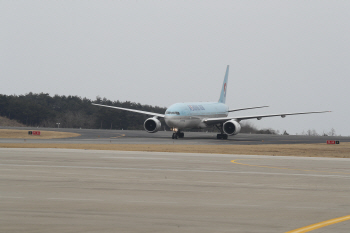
{"x": 42, "y": 110}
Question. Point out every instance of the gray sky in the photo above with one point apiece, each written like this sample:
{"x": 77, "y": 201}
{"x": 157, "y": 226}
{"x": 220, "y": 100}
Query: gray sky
{"x": 291, "y": 55}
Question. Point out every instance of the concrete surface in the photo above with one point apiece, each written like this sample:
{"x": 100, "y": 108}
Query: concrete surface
{"x": 59, "y": 190}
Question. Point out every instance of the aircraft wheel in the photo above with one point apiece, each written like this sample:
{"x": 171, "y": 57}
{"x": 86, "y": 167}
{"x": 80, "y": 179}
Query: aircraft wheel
{"x": 219, "y": 136}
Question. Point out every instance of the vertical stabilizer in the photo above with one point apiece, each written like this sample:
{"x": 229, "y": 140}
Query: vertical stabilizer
{"x": 224, "y": 87}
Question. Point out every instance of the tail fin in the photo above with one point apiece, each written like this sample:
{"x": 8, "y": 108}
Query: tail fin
{"x": 224, "y": 87}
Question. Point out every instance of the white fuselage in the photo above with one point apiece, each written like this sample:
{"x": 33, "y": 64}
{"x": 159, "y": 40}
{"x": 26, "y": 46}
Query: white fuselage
{"x": 191, "y": 115}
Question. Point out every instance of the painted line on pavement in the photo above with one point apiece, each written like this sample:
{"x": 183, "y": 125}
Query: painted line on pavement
{"x": 320, "y": 225}
{"x": 166, "y": 169}
{"x": 120, "y": 136}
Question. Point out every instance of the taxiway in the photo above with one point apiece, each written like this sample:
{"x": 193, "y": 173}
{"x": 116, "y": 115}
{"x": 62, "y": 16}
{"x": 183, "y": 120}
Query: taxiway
{"x": 60, "y": 190}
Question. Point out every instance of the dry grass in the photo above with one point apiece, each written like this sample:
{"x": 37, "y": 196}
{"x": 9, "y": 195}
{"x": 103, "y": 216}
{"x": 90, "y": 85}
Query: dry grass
{"x": 23, "y": 134}
{"x": 306, "y": 150}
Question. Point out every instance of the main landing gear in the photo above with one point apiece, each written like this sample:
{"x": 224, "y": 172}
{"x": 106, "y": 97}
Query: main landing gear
{"x": 222, "y": 135}
{"x": 177, "y": 135}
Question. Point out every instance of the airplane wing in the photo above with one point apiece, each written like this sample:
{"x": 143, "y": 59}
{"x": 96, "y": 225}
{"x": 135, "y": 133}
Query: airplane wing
{"x": 240, "y": 109}
{"x": 213, "y": 121}
{"x": 132, "y": 110}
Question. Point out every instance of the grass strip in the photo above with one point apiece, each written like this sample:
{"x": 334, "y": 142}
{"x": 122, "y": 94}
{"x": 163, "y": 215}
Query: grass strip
{"x": 23, "y": 134}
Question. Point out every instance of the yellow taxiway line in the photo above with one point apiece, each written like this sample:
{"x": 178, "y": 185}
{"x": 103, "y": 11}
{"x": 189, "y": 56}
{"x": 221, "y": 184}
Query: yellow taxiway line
{"x": 320, "y": 225}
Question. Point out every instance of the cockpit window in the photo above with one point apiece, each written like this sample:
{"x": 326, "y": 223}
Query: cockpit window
{"x": 172, "y": 113}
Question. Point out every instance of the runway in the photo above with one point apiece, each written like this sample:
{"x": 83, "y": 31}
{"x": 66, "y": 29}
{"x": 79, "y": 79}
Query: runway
{"x": 96, "y": 136}
{"x": 60, "y": 190}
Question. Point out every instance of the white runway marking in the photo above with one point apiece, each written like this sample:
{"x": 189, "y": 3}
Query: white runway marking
{"x": 153, "y": 202}
{"x": 176, "y": 170}
{"x": 71, "y": 199}
{"x": 139, "y": 158}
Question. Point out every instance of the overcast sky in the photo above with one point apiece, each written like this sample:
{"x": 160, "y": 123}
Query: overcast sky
{"x": 291, "y": 55}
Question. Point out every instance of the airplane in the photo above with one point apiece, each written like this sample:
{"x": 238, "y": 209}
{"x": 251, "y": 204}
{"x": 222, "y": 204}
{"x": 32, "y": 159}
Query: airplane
{"x": 199, "y": 115}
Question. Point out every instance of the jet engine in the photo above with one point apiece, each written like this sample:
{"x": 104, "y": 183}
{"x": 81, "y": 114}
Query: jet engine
{"x": 152, "y": 125}
{"x": 231, "y": 127}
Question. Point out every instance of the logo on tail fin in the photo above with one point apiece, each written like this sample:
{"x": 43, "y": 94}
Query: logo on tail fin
{"x": 222, "y": 98}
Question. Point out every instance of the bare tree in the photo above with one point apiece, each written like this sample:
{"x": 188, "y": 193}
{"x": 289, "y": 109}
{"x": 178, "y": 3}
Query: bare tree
{"x": 314, "y": 133}
{"x": 309, "y": 132}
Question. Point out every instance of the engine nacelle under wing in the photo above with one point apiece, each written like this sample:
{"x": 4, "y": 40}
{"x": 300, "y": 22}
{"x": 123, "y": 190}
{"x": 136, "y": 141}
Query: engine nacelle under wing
{"x": 231, "y": 127}
{"x": 152, "y": 125}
